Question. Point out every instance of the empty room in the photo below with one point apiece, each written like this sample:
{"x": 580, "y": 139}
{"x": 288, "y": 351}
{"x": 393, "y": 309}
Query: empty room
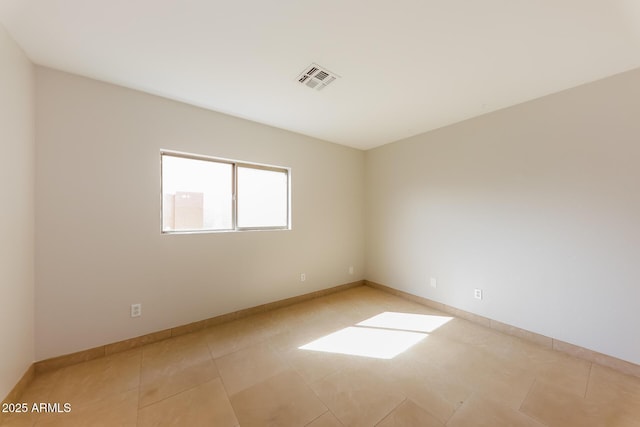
{"x": 347, "y": 213}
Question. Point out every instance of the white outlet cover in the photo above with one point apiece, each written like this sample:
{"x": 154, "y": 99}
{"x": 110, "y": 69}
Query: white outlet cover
{"x": 303, "y": 277}
{"x": 477, "y": 293}
{"x": 351, "y": 269}
{"x": 136, "y": 310}
{"x": 433, "y": 282}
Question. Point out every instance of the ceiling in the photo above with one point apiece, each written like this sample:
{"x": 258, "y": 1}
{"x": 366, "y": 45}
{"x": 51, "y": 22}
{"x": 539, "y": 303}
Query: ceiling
{"x": 405, "y": 66}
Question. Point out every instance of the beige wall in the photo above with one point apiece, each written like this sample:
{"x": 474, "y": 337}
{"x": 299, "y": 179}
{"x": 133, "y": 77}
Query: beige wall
{"x": 99, "y": 247}
{"x": 538, "y": 205}
{"x": 16, "y": 213}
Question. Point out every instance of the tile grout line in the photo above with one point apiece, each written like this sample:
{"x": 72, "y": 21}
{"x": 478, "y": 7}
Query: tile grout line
{"x": 226, "y": 392}
{"x": 531, "y": 417}
{"x": 179, "y": 392}
{"x": 320, "y": 398}
{"x": 139, "y": 385}
{"x": 533, "y": 383}
{"x": 535, "y": 380}
{"x": 384, "y": 417}
{"x": 427, "y": 410}
{"x": 586, "y": 389}
{"x": 328, "y": 408}
{"x": 464, "y": 402}
{"x": 287, "y": 367}
{"x": 313, "y": 420}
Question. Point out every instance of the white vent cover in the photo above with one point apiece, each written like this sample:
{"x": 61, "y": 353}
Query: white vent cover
{"x": 317, "y": 77}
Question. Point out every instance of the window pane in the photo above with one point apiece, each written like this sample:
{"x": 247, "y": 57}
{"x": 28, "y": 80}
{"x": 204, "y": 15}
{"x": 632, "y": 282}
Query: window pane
{"x": 196, "y": 194}
{"x": 262, "y": 198}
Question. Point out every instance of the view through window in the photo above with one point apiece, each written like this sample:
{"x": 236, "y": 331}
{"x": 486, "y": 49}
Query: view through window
{"x": 207, "y": 194}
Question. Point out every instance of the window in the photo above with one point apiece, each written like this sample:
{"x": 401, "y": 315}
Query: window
{"x": 262, "y": 195}
{"x": 207, "y": 194}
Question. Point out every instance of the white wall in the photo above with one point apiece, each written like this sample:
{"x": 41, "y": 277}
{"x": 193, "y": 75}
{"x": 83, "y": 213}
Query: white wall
{"x": 16, "y": 213}
{"x": 99, "y": 246}
{"x": 538, "y": 205}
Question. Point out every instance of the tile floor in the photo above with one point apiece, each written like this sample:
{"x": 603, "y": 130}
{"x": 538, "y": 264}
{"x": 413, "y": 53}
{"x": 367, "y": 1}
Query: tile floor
{"x": 251, "y": 372}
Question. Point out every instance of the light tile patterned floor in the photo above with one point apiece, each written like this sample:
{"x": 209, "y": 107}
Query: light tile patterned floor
{"x": 251, "y": 372}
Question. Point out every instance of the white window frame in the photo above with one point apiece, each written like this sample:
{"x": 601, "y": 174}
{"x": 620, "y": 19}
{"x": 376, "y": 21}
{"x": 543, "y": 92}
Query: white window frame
{"x": 234, "y": 179}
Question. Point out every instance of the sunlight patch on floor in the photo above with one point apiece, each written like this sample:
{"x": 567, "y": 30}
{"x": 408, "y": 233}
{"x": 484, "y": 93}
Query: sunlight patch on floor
{"x": 383, "y": 336}
{"x": 368, "y": 342}
{"x": 406, "y": 321}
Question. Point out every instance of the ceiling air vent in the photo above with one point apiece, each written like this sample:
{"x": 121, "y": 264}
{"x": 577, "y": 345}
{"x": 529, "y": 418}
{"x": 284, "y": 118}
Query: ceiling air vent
{"x": 316, "y": 77}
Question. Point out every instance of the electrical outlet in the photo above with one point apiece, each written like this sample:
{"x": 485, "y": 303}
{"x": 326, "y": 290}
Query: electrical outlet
{"x": 303, "y": 277}
{"x": 433, "y": 282}
{"x": 477, "y": 293}
{"x": 136, "y": 310}
{"x": 351, "y": 269}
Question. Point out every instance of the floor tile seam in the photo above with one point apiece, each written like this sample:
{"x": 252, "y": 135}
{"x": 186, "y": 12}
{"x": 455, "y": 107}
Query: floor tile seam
{"x": 230, "y": 396}
{"x": 329, "y": 410}
{"x": 313, "y": 420}
{"x": 313, "y": 390}
{"x": 384, "y": 417}
{"x": 533, "y": 381}
{"x": 517, "y": 409}
{"x": 84, "y": 403}
{"x": 140, "y": 385}
{"x": 171, "y": 369}
{"x": 323, "y": 404}
{"x": 138, "y": 412}
{"x": 566, "y": 389}
{"x": 210, "y": 351}
{"x": 477, "y": 388}
{"x": 318, "y": 381}
{"x": 457, "y": 408}
{"x": 536, "y": 366}
{"x": 455, "y": 339}
{"x": 533, "y": 417}
{"x": 176, "y": 393}
{"x": 215, "y": 361}
{"x": 169, "y": 351}
{"x": 221, "y": 380}
{"x": 428, "y": 411}
{"x": 476, "y": 393}
{"x": 533, "y": 384}
{"x": 275, "y": 351}
{"x": 244, "y": 347}
{"x": 586, "y": 389}
{"x": 309, "y": 383}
